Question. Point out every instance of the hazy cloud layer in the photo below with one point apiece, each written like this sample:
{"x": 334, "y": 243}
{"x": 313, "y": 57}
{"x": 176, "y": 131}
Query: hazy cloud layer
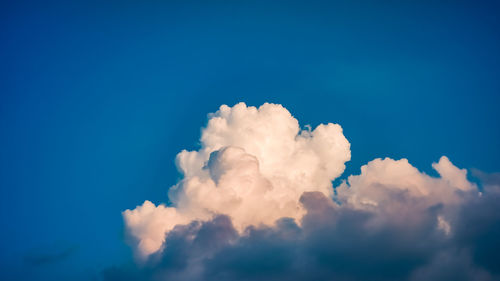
{"x": 256, "y": 203}
{"x": 48, "y": 256}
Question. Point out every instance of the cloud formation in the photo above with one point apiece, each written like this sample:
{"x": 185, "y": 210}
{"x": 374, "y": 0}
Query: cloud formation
{"x": 253, "y": 166}
{"x": 256, "y": 203}
{"x": 37, "y": 258}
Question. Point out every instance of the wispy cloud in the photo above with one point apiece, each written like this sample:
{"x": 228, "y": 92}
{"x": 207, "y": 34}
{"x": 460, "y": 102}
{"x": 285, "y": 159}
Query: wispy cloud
{"x": 39, "y": 257}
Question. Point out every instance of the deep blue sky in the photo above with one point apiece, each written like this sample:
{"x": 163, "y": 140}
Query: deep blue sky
{"x": 97, "y": 99}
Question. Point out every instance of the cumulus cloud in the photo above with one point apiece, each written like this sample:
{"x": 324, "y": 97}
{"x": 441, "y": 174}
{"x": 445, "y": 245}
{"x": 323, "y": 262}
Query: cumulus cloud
{"x": 400, "y": 191}
{"x": 257, "y": 203}
{"x": 253, "y": 166}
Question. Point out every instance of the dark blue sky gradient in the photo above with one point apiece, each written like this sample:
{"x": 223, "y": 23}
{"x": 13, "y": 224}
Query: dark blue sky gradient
{"x": 98, "y": 98}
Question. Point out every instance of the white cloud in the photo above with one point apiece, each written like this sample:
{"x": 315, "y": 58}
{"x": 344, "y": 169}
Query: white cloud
{"x": 253, "y": 165}
{"x": 398, "y": 192}
{"x": 381, "y": 178}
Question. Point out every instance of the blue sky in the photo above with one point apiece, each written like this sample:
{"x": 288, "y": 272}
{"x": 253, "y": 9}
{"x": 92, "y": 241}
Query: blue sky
{"x": 97, "y": 98}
